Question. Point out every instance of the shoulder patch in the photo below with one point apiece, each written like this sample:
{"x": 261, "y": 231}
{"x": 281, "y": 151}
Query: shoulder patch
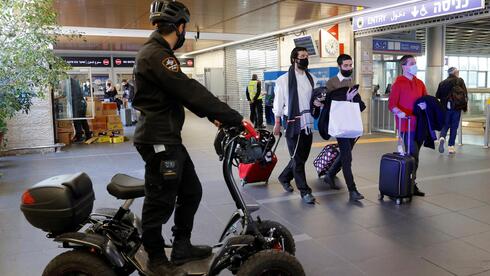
{"x": 170, "y": 63}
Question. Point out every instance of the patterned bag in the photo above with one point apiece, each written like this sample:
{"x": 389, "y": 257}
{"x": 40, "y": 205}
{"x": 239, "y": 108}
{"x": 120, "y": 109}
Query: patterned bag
{"x": 325, "y": 159}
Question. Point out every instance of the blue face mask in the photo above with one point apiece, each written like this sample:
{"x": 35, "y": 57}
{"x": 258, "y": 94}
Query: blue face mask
{"x": 413, "y": 69}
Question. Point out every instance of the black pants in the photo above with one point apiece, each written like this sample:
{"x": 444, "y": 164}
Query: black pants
{"x": 414, "y": 149}
{"x": 296, "y": 167}
{"x": 257, "y": 113}
{"x": 344, "y": 162}
{"x": 81, "y": 125}
{"x": 269, "y": 115}
{"x": 170, "y": 182}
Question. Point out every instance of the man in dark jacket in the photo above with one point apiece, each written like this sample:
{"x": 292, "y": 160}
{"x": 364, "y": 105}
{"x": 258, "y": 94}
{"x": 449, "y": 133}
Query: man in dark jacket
{"x": 162, "y": 92}
{"x": 445, "y": 93}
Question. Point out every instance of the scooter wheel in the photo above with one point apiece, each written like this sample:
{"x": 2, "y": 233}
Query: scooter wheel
{"x": 243, "y": 182}
{"x": 282, "y": 236}
{"x": 398, "y": 201}
{"x": 78, "y": 262}
{"x": 271, "y": 262}
{"x": 381, "y": 197}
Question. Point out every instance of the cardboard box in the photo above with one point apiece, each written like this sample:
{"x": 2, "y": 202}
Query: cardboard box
{"x": 108, "y": 112}
{"x": 117, "y": 139}
{"x": 89, "y": 113}
{"x": 64, "y": 124}
{"x": 109, "y": 106}
{"x": 64, "y": 130}
{"x": 94, "y": 126}
{"x": 65, "y": 138}
{"x": 98, "y": 109}
{"x": 113, "y": 119}
{"x": 111, "y": 126}
{"x": 104, "y": 139}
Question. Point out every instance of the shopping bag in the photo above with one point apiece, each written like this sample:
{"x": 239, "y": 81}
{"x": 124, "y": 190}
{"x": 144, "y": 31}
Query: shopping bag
{"x": 345, "y": 120}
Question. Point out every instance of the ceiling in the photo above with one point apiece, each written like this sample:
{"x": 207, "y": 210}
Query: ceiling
{"x": 212, "y": 16}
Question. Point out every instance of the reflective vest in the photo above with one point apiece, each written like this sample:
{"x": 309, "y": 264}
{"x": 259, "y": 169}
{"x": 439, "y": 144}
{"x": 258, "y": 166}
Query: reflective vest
{"x": 252, "y": 90}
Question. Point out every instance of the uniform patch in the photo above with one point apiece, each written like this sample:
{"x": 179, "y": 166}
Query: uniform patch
{"x": 171, "y": 64}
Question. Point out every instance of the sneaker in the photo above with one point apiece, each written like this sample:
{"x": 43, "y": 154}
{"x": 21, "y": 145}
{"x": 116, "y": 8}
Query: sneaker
{"x": 441, "y": 144}
{"x": 183, "y": 251}
{"x": 355, "y": 196}
{"x": 451, "y": 150}
{"x": 287, "y": 186}
{"x": 308, "y": 199}
{"x": 164, "y": 267}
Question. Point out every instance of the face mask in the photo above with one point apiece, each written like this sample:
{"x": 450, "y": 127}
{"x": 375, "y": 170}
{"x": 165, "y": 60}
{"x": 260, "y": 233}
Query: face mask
{"x": 180, "y": 40}
{"x": 346, "y": 73}
{"x": 413, "y": 69}
{"x": 108, "y": 85}
{"x": 303, "y": 63}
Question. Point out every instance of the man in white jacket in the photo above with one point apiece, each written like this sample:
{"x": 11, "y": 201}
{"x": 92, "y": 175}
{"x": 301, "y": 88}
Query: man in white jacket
{"x": 292, "y": 103}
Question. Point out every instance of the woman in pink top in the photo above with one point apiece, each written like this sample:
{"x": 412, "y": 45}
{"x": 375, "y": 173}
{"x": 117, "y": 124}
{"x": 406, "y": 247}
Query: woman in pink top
{"x": 405, "y": 91}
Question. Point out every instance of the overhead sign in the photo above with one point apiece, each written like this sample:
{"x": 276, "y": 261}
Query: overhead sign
{"x": 186, "y": 62}
{"x": 123, "y": 61}
{"x": 88, "y": 61}
{"x": 386, "y": 45}
{"x": 413, "y": 12}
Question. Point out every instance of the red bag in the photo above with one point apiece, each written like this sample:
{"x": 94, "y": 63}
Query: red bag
{"x": 260, "y": 171}
{"x": 326, "y": 158}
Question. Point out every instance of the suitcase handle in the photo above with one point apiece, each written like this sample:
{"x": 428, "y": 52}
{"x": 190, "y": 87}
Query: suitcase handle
{"x": 400, "y": 136}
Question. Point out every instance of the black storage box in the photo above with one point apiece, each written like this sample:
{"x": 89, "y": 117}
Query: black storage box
{"x": 59, "y": 204}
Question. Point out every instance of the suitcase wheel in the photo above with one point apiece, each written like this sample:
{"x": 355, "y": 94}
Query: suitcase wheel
{"x": 381, "y": 197}
{"x": 243, "y": 182}
{"x": 398, "y": 201}
{"x": 410, "y": 199}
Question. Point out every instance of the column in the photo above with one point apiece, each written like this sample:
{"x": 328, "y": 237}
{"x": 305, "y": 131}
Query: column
{"x": 364, "y": 76}
{"x": 435, "y": 50}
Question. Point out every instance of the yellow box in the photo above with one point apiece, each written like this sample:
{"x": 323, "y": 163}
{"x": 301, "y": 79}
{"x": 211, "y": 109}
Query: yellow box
{"x": 114, "y": 125}
{"x": 117, "y": 139}
{"x": 104, "y": 139}
{"x": 116, "y": 132}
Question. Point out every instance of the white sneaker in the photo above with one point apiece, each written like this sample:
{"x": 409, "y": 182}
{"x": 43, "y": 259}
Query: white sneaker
{"x": 441, "y": 144}
{"x": 451, "y": 150}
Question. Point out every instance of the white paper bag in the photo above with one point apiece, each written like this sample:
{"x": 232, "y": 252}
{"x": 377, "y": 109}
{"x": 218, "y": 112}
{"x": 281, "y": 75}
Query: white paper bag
{"x": 345, "y": 120}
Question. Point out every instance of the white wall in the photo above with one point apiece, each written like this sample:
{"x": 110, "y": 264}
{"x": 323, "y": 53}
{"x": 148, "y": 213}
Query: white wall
{"x": 33, "y": 129}
{"x": 215, "y": 59}
{"x": 286, "y": 44}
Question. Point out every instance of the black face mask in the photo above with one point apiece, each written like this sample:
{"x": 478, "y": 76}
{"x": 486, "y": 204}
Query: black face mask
{"x": 346, "y": 73}
{"x": 180, "y": 40}
{"x": 302, "y": 63}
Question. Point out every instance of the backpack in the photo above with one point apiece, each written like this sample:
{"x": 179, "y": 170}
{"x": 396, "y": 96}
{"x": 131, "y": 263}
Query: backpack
{"x": 457, "y": 97}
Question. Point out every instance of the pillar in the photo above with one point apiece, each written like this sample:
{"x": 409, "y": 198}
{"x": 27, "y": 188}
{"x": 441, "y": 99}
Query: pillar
{"x": 364, "y": 76}
{"x": 435, "y": 50}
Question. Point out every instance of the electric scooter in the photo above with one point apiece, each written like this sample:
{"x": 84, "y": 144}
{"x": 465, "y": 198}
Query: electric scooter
{"x": 108, "y": 241}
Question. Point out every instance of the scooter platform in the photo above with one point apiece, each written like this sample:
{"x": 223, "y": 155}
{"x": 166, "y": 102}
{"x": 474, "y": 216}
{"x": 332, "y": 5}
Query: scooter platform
{"x": 199, "y": 267}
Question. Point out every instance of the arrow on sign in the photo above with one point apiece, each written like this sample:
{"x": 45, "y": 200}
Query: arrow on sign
{"x": 423, "y": 11}
{"x": 415, "y": 11}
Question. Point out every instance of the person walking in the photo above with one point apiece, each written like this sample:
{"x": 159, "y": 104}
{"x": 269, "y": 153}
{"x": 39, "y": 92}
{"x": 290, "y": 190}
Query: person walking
{"x": 453, "y": 95}
{"x": 292, "y": 101}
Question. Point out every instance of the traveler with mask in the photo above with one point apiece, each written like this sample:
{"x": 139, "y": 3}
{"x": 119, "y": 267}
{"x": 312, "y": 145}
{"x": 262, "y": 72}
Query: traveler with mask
{"x": 453, "y": 95}
{"x": 110, "y": 94}
{"x": 341, "y": 80}
{"x": 405, "y": 91}
{"x": 162, "y": 92}
{"x": 292, "y": 101}
{"x": 254, "y": 98}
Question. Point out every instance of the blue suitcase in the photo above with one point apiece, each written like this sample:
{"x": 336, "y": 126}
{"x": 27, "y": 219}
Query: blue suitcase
{"x": 396, "y": 177}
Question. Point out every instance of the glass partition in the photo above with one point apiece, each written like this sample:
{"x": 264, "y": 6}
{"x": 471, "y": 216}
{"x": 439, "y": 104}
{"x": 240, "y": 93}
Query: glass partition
{"x": 74, "y": 96}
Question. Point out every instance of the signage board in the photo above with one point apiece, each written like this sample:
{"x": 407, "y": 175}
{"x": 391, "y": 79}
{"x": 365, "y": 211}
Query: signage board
{"x": 123, "y": 61}
{"x": 414, "y": 12}
{"x": 396, "y": 46}
{"x": 88, "y": 61}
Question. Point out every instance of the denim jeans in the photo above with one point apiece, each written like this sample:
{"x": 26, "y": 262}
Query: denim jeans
{"x": 452, "y": 123}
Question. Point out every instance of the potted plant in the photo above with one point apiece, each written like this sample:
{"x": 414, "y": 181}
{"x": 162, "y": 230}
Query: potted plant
{"x": 29, "y": 67}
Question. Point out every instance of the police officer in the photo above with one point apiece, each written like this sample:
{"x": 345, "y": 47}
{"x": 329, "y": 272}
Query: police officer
{"x": 162, "y": 92}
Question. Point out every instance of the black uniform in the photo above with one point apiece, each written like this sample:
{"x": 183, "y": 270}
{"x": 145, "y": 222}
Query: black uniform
{"x": 162, "y": 92}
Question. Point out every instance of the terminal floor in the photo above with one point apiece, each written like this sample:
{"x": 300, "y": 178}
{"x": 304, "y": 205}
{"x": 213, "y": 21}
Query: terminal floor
{"x": 445, "y": 233}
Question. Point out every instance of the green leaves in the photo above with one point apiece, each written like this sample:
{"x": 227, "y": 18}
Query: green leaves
{"x": 28, "y": 65}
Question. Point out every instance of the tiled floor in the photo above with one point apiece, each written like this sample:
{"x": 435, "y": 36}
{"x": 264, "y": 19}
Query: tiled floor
{"x": 445, "y": 233}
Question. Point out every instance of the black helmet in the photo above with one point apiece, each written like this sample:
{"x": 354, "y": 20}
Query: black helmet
{"x": 169, "y": 12}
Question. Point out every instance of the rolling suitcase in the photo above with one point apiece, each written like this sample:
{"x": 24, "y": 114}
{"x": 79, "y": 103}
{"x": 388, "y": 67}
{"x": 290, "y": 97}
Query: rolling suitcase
{"x": 126, "y": 116}
{"x": 397, "y": 172}
{"x": 261, "y": 170}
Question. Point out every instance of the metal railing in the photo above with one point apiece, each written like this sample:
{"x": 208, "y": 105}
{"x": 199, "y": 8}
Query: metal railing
{"x": 381, "y": 118}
